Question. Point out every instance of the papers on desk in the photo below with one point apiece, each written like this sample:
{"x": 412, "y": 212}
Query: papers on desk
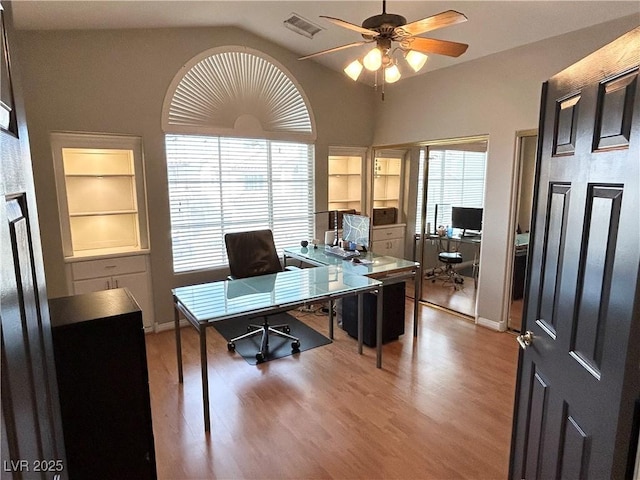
{"x": 364, "y": 261}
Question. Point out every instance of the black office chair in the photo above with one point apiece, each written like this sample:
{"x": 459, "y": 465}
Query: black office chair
{"x": 251, "y": 254}
{"x": 449, "y": 259}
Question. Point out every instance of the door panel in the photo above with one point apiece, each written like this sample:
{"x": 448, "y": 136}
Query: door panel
{"x": 595, "y": 272}
{"x": 31, "y": 425}
{"x": 553, "y": 255}
{"x": 578, "y": 379}
{"x": 574, "y": 449}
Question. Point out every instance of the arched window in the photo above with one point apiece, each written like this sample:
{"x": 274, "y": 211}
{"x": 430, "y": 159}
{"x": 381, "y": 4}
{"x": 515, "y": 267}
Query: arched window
{"x": 239, "y": 146}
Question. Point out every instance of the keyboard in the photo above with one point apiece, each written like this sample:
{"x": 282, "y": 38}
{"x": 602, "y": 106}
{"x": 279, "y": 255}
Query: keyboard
{"x": 339, "y": 252}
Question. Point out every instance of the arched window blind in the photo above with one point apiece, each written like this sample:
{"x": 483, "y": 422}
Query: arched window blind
{"x": 238, "y": 138}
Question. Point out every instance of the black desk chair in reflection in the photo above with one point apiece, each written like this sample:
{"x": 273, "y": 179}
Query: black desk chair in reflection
{"x": 251, "y": 254}
{"x": 449, "y": 259}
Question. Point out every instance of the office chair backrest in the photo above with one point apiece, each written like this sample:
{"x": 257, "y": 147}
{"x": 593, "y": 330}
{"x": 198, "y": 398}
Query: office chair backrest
{"x": 252, "y": 253}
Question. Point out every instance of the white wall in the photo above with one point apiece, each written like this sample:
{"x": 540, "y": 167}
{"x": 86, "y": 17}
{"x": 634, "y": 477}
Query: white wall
{"x": 495, "y": 95}
{"x": 115, "y": 81}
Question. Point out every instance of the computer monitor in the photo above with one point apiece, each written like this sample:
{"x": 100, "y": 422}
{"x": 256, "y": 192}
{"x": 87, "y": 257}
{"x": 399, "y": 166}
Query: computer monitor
{"x": 466, "y": 218}
{"x": 356, "y": 229}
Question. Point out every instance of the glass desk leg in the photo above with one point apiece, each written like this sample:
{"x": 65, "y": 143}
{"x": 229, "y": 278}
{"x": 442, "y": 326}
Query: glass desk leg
{"x": 360, "y": 322}
{"x": 379, "y": 328}
{"x": 178, "y": 344}
{"x": 205, "y": 378}
{"x": 331, "y": 319}
{"x": 416, "y": 296}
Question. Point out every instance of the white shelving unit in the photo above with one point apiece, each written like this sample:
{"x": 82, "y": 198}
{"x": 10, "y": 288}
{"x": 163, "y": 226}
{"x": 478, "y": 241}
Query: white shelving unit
{"x": 101, "y": 194}
{"x": 387, "y": 181}
{"x": 345, "y": 178}
{"x": 387, "y": 178}
{"x": 103, "y": 214}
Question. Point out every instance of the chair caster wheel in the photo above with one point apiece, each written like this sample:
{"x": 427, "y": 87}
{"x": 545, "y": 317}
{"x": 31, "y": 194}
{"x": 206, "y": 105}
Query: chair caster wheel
{"x": 260, "y": 357}
{"x": 231, "y": 346}
{"x": 249, "y": 328}
{"x": 295, "y": 346}
{"x": 286, "y": 330}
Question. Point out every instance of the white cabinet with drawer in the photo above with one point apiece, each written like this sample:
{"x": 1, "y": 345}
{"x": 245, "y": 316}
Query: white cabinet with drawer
{"x": 131, "y": 272}
{"x": 388, "y": 240}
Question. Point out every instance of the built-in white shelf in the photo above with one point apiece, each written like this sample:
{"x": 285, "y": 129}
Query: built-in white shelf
{"x": 345, "y": 178}
{"x": 101, "y": 194}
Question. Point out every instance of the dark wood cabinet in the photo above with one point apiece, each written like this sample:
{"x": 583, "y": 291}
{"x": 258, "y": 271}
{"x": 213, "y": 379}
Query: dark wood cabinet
{"x": 103, "y": 384}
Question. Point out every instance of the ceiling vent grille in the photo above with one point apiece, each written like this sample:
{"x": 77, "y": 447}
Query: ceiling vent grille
{"x": 301, "y": 25}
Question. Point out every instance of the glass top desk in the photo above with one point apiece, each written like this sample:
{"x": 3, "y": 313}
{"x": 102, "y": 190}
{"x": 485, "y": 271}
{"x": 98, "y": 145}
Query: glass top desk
{"x": 386, "y": 269}
{"x": 205, "y": 304}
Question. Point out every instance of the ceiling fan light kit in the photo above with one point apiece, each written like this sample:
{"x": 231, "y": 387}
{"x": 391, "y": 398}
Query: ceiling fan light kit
{"x": 392, "y": 74}
{"x": 415, "y": 59}
{"x": 373, "y": 60}
{"x": 354, "y": 69}
{"x": 385, "y": 28}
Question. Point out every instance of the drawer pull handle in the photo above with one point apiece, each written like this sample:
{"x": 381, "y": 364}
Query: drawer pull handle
{"x": 110, "y": 266}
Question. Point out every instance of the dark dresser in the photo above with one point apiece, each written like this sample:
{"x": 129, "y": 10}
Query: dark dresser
{"x": 103, "y": 384}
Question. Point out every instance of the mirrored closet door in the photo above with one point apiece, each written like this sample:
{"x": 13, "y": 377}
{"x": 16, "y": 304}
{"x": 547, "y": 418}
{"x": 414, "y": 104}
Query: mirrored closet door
{"x": 452, "y": 181}
{"x": 526, "y": 162}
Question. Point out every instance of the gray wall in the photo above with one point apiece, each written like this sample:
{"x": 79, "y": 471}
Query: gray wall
{"x": 116, "y": 81}
{"x": 496, "y": 95}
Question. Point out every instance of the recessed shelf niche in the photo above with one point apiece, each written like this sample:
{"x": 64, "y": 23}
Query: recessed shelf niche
{"x": 100, "y": 182}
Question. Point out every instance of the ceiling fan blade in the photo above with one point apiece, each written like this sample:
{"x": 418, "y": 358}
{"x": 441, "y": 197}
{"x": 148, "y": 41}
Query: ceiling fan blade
{"x": 444, "y": 19}
{"x": 351, "y": 26}
{"x": 335, "y": 49}
{"x": 432, "y": 45}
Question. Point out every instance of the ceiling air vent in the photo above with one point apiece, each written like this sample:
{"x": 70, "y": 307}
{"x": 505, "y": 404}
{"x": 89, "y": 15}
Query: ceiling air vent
{"x": 301, "y": 25}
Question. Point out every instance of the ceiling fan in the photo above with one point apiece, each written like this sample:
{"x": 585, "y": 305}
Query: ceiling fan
{"x": 385, "y": 28}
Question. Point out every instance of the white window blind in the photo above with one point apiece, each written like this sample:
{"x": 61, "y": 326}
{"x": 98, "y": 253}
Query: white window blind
{"x": 455, "y": 178}
{"x": 220, "y": 184}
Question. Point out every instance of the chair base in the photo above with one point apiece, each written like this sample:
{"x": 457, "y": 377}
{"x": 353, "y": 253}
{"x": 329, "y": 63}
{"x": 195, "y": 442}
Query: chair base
{"x": 449, "y": 259}
{"x": 265, "y": 330}
{"x": 449, "y": 274}
{"x": 453, "y": 278}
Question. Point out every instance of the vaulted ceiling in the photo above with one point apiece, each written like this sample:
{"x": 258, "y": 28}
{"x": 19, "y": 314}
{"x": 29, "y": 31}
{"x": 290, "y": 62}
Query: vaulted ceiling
{"x": 491, "y": 27}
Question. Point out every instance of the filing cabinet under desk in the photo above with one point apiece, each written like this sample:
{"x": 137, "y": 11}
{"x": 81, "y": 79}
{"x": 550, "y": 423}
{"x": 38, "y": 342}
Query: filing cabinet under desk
{"x": 393, "y": 313}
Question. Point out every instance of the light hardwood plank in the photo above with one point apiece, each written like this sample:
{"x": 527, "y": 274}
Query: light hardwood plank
{"x": 440, "y": 408}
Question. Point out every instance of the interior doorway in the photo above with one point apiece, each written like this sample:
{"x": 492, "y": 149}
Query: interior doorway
{"x": 526, "y": 147}
{"x": 451, "y": 181}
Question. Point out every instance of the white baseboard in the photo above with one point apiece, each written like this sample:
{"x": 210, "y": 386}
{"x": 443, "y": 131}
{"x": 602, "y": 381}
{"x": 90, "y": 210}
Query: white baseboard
{"x": 163, "y": 327}
{"x": 491, "y": 324}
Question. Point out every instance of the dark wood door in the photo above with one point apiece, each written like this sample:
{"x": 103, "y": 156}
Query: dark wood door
{"x": 578, "y": 380}
{"x": 32, "y": 445}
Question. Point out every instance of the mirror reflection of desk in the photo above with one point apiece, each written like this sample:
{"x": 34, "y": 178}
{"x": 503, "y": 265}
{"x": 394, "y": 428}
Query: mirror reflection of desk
{"x": 445, "y": 245}
{"x": 519, "y": 265}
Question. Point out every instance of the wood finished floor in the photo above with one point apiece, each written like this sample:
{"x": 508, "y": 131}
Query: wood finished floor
{"x": 460, "y": 299}
{"x": 440, "y": 408}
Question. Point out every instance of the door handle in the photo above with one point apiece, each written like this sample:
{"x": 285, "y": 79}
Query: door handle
{"x": 525, "y": 339}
